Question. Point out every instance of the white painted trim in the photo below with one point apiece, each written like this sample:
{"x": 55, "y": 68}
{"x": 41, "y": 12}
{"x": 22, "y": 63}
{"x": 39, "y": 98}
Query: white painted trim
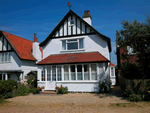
{"x": 72, "y": 50}
{"x": 83, "y": 72}
{"x": 45, "y": 77}
{"x": 78, "y": 37}
{"x": 90, "y": 71}
{"x": 76, "y": 71}
{"x": 77, "y": 81}
{"x": 69, "y": 73}
{"x": 56, "y": 73}
{"x": 62, "y": 72}
{"x": 51, "y": 73}
{"x": 97, "y": 69}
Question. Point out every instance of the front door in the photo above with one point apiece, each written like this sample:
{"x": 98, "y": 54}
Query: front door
{"x": 51, "y": 78}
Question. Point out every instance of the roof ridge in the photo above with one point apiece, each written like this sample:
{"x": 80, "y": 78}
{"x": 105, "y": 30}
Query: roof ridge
{"x": 16, "y": 35}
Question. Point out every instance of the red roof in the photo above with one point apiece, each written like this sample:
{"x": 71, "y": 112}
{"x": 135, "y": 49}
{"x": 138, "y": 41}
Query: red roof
{"x": 23, "y": 47}
{"x": 73, "y": 58}
{"x": 111, "y": 64}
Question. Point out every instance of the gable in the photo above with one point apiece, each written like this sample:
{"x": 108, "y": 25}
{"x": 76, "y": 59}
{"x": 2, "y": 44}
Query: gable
{"x": 4, "y": 44}
{"x": 80, "y": 27}
{"x": 21, "y": 46}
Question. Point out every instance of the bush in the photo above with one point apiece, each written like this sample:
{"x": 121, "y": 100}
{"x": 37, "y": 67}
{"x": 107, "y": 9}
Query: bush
{"x": 32, "y": 81}
{"x": 135, "y": 97}
{"x": 34, "y": 91}
{"x": 6, "y": 87}
{"x": 62, "y": 90}
{"x": 22, "y": 90}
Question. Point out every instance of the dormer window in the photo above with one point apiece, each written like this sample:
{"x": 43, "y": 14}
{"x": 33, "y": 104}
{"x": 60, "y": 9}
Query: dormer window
{"x": 72, "y": 44}
{"x": 71, "y": 22}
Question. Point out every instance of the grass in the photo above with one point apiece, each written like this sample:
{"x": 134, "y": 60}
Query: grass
{"x": 132, "y": 104}
{"x": 2, "y": 101}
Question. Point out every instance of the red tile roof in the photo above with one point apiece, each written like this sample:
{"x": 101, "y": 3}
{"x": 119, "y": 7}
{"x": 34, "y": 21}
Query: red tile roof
{"x": 73, "y": 58}
{"x": 111, "y": 64}
{"x": 23, "y": 47}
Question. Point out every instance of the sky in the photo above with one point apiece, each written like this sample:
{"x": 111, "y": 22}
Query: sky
{"x": 26, "y": 17}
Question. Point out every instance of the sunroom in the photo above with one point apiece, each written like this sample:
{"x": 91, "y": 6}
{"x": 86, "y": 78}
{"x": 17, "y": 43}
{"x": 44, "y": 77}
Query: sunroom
{"x": 79, "y": 76}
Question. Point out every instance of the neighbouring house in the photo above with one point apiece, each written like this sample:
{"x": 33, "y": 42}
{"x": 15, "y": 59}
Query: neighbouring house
{"x": 121, "y": 51}
{"x": 75, "y": 55}
{"x": 18, "y": 56}
{"x": 112, "y": 74}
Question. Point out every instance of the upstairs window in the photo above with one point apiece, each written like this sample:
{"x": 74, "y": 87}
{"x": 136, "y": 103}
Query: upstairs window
{"x": 5, "y": 57}
{"x": 130, "y": 50}
{"x": 72, "y": 44}
{"x": 71, "y": 23}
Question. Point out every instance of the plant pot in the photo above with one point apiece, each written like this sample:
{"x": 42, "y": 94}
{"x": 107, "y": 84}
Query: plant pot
{"x": 42, "y": 90}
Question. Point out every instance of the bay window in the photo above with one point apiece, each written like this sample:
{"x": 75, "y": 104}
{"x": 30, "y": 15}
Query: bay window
{"x": 93, "y": 72}
{"x": 66, "y": 72}
{"x": 53, "y": 73}
{"x": 79, "y": 72}
{"x": 72, "y": 44}
{"x": 73, "y": 74}
{"x": 59, "y": 73}
{"x": 49, "y": 73}
{"x": 43, "y": 74}
{"x": 86, "y": 72}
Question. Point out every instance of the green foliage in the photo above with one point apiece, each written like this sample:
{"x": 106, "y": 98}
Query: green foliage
{"x": 135, "y": 97}
{"x": 102, "y": 87}
{"x": 22, "y": 90}
{"x": 32, "y": 81}
{"x": 62, "y": 90}
{"x": 34, "y": 91}
{"x": 6, "y": 88}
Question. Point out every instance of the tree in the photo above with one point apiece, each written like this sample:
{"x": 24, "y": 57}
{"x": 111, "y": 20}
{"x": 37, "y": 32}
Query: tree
{"x": 137, "y": 35}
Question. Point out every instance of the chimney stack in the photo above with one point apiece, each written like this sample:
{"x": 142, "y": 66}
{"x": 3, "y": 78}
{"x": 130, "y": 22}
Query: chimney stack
{"x": 35, "y": 39}
{"x": 87, "y": 17}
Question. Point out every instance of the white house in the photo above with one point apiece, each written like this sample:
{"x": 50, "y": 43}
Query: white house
{"x": 18, "y": 56}
{"x": 75, "y": 55}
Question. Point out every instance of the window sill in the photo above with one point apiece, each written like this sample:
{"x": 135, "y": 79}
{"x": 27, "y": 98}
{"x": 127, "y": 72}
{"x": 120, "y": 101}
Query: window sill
{"x": 72, "y": 50}
{"x": 5, "y": 62}
{"x": 85, "y": 81}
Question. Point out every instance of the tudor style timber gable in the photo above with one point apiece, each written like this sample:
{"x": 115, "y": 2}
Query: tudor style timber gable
{"x": 79, "y": 28}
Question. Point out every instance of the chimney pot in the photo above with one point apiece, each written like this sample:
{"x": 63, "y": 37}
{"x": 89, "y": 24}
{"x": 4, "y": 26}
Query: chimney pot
{"x": 35, "y": 39}
{"x": 84, "y": 12}
{"x": 88, "y": 12}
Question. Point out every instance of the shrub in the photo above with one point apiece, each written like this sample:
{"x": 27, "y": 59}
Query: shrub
{"x": 34, "y": 91}
{"x": 135, "y": 97}
{"x": 32, "y": 81}
{"x": 22, "y": 90}
{"x": 62, "y": 90}
{"x": 6, "y": 87}
{"x": 103, "y": 87}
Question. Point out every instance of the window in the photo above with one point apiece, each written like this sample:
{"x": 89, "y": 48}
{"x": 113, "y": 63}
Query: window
{"x": 73, "y": 74}
{"x": 79, "y": 72}
{"x": 112, "y": 71}
{"x": 66, "y": 72}
{"x": 93, "y": 72}
{"x": 130, "y": 50}
{"x": 72, "y": 44}
{"x": 59, "y": 73}
{"x": 71, "y": 23}
{"x": 49, "y": 73}
{"x": 5, "y": 57}
{"x": 86, "y": 72}
{"x": 43, "y": 74}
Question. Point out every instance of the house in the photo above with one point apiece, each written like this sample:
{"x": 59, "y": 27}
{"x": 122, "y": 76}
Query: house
{"x": 18, "y": 56}
{"x": 75, "y": 55}
{"x": 121, "y": 51}
{"x": 112, "y": 74}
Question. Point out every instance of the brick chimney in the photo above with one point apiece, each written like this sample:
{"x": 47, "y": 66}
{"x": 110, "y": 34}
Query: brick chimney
{"x": 87, "y": 17}
{"x": 36, "y": 49}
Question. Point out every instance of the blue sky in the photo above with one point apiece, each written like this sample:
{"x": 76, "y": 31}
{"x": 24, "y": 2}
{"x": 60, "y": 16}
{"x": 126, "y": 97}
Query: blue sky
{"x": 26, "y": 17}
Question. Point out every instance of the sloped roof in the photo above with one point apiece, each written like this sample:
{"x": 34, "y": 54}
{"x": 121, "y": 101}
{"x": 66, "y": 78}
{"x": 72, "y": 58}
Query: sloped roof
{"x": 65, "y": 17}
{"x": 111, "y": 64}
{"x": 22, "y": 47}
{"x": 74, "y": 58}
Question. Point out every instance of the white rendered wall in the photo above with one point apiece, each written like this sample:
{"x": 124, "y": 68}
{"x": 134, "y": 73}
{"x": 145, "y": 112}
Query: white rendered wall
{"x": 91, "y": 43}
{"x": 88, "y": 20}
{"x": 36, "y": 51}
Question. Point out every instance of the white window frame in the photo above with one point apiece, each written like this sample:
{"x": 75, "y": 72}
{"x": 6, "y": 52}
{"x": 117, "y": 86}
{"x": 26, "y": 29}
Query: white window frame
{"x": 73, "y": 42}
{"x": 8, "y": 57}
{"x": 130, "y": 50}
{"x": 70, "y": 22}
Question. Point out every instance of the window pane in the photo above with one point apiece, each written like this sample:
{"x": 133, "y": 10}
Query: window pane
{"x": 112, "y": 72}
{"x": 6, "y": 56}
{"x": 49, "y": 73}
{"x": 80, "y": 43}
{"x": 2, "y": 57}
{"x": 53, "y": 73}
{"x": 64, "y": 45}
{"x": 93, "y": 72}
{"x": 9, "y": 56}
{"x": 59, "y": 73}
{"x": 86, "y": 72}
{"x": 66, "y": 72}
{"x": 0, "y": 76}
{"x": 79, "y": 72}
{"x": 43, "y": 74}
{"x": 72, "y": 40}
{"x": 73, "y": 75}
{"x": 72, "y": 45}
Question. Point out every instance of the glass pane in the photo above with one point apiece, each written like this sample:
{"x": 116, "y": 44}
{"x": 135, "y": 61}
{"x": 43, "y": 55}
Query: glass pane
{"x": 112, "y": 72}
{"x": 71, "y": 22}
{"x": 0, "y": 76}
{"x": 80, "y": 43}
{"x": 49, "y": 73}
{"x": 73, "y": 75}
{"x": 93, "y": 72}
{"x": 53, "y": 73}
{"x": 4, "y": 77}
{"x": 72, "y": 45}
{"x": 86, "y": 72}
{"x": 59, "y": 73}
{"x": 72, "y": 40}
{"x": 6, "y": 56}
{"x": 64, "y": 45}
{"x": 43, "y": 74}
{"x": 66, "y": 72}
{"x": 79, "y": 72}
{"x": 2, "y": 57}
